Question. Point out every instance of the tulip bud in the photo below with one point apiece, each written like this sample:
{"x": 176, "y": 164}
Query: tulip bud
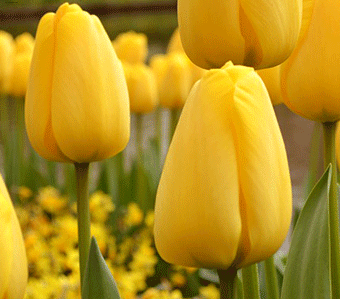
{"x": 6, "y": 60}
{"x": 225, "y": 196}
{"x": 77, "y": 105}
{"x": 13, "y": 264}
{"x": 19, "y": 78}
{"x": 142, "y": 88}
{"x": 175, "y": 82}
{"x": 272, "y": 79}
{"x": 24, "y": 43}
{"x": 310, "y": 80}
{"x": 256, "y": 33}
{"x": 131, "y": 47}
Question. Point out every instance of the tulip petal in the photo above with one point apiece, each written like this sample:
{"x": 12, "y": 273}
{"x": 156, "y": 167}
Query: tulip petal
{"x": 39, "y": 92}
{"x": 89, "y": 97}
{"x": 266, "y": 198}
{"x": 284, "y": 20}
{"x": 197, "y": 218}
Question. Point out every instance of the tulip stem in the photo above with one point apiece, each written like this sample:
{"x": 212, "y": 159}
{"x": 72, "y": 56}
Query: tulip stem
{"x": 250, "y": 279}
{"x": 330, "y": 158}
{"x": 83, "y": 208}
{"x": 175, "y": 114}
{"x": 227, "y": 283}
{"x": 271, "y": 279}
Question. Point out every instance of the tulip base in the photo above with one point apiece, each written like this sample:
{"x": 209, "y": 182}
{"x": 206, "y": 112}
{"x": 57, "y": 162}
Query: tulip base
{"x": 227, "y": 283}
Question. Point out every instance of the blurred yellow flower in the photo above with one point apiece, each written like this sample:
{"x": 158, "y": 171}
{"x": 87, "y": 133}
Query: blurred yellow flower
{"x": 24, "y": 43}
{"x": 225, "y": 195}
{"x": 101, "y": 206}
{"x": 77, "y": 106}
{"x": 6, "y": 60}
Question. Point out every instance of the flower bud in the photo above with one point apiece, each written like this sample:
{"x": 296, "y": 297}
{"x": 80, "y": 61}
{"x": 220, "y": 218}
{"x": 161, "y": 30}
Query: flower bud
{"x": 131, "y": 47}
{"x": 225, "y": 195}
{"x": 13, "y": 264}
{"x": 77, "y": 105}
{"x": 6, "y": 60}
{"x": 142, "y": 88}
{"x": 24, "y": 43}
{"x": 257, "y": 33}
{"x": 19, "y": 77}
{"x": 310, "y": 80}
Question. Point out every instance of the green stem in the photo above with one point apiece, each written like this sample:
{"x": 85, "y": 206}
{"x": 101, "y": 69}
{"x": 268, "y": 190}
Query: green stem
{"x": 159, "y": 134}
{"x": 4, "y": 121}
{"x": 83, "y": 208}
{"x": 330, "y": 158}
{"x": 175, "y": 114}
{"x": 250, "y": 279}
{"x": 139, "y": 136}
{"x": 271, "y": 279}
{"x": 227, "y": 283}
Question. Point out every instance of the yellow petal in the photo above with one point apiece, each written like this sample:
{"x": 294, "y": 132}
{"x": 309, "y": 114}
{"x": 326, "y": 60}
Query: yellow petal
{"x": 197, "y": 218}
{"x": 310, "y": 78}
{"x": 90, "y": 109}
{"x": 6, "y": 60}
{"x": 265, "y": 189}
{"x": 39, "y": 93}
{"x": 19, "y": 78}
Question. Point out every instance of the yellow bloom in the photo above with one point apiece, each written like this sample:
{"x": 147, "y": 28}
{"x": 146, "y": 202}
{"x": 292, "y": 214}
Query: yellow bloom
{"x": 175, "y": 81}
{"x": 24, "y": 43}
{"x": 272, "y": 79}
{"x": 257, "y": 33}
{"x": 142, "y": 87}
{"x": 77, "y": 106}
{"x": 6, "y": 60}
{"x": 310, "y": 77}
{"x": 13, "y": 264}
{"x": 224, "y": 196}
{"x": 131, "y": 47}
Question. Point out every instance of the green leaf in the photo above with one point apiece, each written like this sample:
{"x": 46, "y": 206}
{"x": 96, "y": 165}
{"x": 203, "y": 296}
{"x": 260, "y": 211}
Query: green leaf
{"x": 98, "y": 281}
{"x": 308, "y": 265}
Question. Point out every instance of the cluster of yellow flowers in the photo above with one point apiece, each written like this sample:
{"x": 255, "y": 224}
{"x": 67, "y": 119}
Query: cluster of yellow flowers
{"x": 49, "y": 226}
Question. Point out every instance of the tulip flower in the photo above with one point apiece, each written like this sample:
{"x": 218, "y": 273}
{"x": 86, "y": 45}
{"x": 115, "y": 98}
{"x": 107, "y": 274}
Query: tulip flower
{"x": 142, "y": 87}
{"x": 131, "y": 47}
{"x": 310, "y": 77}
{"x": 6, "y": 60}
{"x": 224, "y": 197}
{"x": 13, "y": 263}
{"x": 271, "y": 77}
{"x": 19, "y": 77}
{"x": 77, "y": 106}
{"x": 254, "y": 33}
{"x": 24, "y": 43}
{"x": 175, "y": 81}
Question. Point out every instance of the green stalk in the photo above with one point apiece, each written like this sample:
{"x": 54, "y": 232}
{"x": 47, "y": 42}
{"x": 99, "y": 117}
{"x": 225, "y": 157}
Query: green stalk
{"x": 174, "y": 117}
{"x": 330, "y": 158}
{"x": 4, "y": 121}
{"x": 84, "y": 223}
{"x": 227, "y": 283}
{"x": 250, "y": 280}
{"x": 271, "y": 279}
{"x": 159, "y": 134}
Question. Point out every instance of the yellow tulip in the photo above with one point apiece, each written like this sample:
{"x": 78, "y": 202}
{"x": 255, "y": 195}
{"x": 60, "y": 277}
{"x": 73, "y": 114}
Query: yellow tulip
{"x": 225, "y": 195}
{"x": 19, "y": 77}
{"x": 13, "y": 263}
{"x": 6, "y": 60}
{"x": 175, "y": 82}
{"x": 310, "y": 77}
{"x": 271, "y": 77}
{"x": 131, "y": 47}
{"x": 24, "y": 43}
{"x": 257, "y": 33}
{"x": 77, "y": 105}
{"x": 142, "y": 88}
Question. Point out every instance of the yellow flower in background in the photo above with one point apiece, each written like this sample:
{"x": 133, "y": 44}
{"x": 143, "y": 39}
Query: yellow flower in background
{"x": 175, "y": 81}
{"x": 271, "y": 77}
{"x": 257, "y": 33}
{"x": 310, "y": 77}
{"x": 77, "y": 106}
{"x": 6, "y": 60}
{"x": 13, "y": 263}
{"x": 142, "y": 87}
{"x": 24, "y": 43}
{"x": 131, "y": 47}
{"x": 225, "y": 195}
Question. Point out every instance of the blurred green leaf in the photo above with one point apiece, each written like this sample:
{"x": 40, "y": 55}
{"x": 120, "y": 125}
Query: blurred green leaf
{"x": 98, "y": 281}
{"x": 308, "y": 265}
